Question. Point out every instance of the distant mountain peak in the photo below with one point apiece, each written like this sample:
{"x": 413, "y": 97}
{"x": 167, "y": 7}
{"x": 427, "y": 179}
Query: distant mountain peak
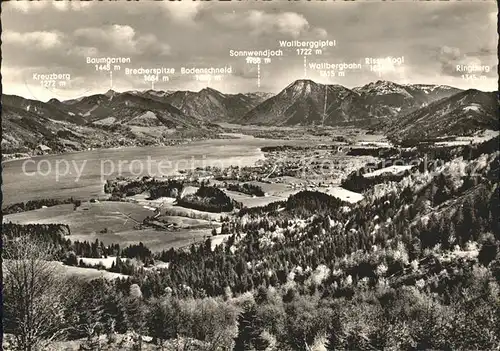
{"x": 157, "y": 93}
{"x": 210, "y": 90}
{"x": 336, "y": 86}
{"x": 110, "y": 93}
{"x": 472, "y": 90}
{"x": 301, "y": 83}
{"x": 383, "y": 87}
{"x": 381, "y": 81}
{"x": 302, "y": 86}
{"x": 152, "y": 91}
{"x": 135, "y": 92}
{"x": 459, "y": 114}
{"x": 302, "y": 102}
{"x": 305, "y": 80}
{"x": 260, "y": 94}
{"x": 211, "y": 104}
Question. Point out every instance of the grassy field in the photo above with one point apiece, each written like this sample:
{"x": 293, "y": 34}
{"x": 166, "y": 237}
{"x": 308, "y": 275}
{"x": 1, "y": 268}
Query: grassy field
{"x": 479, "y": 137}
{"x": 157, "y": 240}
{"x": 80, "y": 272}
{"x": 272, "y": 188}
{"x": 155, "y": 131}
{"x": 186, "y": 223}
{"x": 250, "y": 201}
{"x": 391, "y": 169}
{"x": 88, "y": 219}
{"x": 189, "y": 190}
{"x": 218, "y": 240}
{"x": 191, "y": 213}
{"x": 86, "y": 273}
{"x": 342, "y": 194}
{"x": 88, "y": 222}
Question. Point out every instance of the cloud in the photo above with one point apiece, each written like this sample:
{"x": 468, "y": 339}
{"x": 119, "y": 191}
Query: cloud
{"x": 40, "y": 39}
{"x": 450, "y": 52}
{"x": 320, "y": 33}
{"x": 483, "y": 52}
{"x": 149, "y": 43}
{"x": 121, "y": 39}
{"x": 261, "y": 23}
{"x": 118, "y": 36}
{"x": 245, "y": 71}
{"x": 451, "y": 57}
{"x": 182, "y": 12}
{"x": 59, "y": 5}
{"x": 84, "y": 51}
{"x": 26, "y": 6}
{"x": 290, "y": 23}
{"x": 433, "y": 39}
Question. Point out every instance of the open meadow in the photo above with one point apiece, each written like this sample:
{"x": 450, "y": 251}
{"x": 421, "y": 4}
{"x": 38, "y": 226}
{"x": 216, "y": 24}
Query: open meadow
{"x": 177, "y": 226}
{"x": 117, "y": 222}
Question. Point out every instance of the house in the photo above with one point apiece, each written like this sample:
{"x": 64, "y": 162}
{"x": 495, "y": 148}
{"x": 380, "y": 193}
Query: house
{"x": 43, "y": 149}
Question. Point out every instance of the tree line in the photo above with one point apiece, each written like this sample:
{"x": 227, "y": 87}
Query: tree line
{"x": 416, "y": 266}
{"x": 37, "y": 204}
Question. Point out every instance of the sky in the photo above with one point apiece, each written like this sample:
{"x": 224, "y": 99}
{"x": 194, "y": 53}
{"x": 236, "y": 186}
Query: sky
{"x": 57, "y": 38}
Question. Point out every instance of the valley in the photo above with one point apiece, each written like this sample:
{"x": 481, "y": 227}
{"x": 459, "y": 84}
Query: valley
{"x": 279, "y": 167}
{"x": 159, "y": 118}
{"x": 275, "y": 201}
{"x": 217, "y": 140}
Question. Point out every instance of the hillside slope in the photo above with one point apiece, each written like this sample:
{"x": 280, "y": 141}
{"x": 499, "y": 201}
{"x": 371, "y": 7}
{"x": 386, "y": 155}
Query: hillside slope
{"x": 97, "y": 121}
{"x": 132, "y": 109}
{"x": 305, "y": 102}
{"x": 460, "y": 114}
{"x": 388, "y": 99}
{"x": 211, "y": 105}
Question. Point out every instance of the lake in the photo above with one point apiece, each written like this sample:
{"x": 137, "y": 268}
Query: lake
{"x": 82, "y": 174}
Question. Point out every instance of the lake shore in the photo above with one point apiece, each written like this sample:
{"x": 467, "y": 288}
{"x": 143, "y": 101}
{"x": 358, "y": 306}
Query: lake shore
{"x": 39, "y": 179}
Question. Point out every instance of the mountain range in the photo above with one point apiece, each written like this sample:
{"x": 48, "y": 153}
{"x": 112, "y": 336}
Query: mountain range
{"x": 210, "y": 104}
{"x": 459, "y": 114}
{"x": 118, "y": 119}
{"x": 406, "y": 111}
{"x": 305, "y": 102}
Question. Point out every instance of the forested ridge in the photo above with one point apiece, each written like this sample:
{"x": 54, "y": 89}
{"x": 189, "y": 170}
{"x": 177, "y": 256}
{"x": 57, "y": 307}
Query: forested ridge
{"x": 414, "y": 265}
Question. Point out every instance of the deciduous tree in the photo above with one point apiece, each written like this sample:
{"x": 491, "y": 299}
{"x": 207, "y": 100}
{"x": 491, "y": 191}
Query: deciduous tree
{"x": 35, "y": 294}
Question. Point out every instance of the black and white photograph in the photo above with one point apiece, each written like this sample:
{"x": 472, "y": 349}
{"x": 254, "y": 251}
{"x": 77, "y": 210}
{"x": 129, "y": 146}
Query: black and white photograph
{"x": 250, "y": 175}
